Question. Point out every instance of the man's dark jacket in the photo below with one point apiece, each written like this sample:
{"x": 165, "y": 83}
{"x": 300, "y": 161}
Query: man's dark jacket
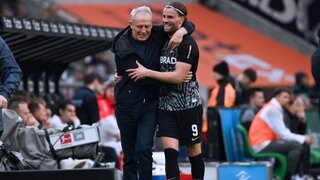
{"x": 127, "y": 92}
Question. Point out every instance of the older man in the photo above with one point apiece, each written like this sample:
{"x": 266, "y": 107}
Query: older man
{"x": 136, "y": 102}
{"x": 180, "y": 106}
{"x": 20, "y": 105}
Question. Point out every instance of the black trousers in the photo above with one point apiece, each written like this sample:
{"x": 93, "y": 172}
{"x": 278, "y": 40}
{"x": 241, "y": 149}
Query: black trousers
{"x": 298, "y": 155}
{"x": 137, "y": 134}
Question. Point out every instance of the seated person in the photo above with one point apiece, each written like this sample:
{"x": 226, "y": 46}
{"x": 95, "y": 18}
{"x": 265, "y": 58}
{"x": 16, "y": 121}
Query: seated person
{"x": 295, "y": 120}
{"x": 268, "y": 133}
{"x": 38, "y": 109}
{"x": 66, "y": 116}
{"x": 248, "y": 111}
{"x": 20, "y": 105}
{"x": 294, "y": 115}
{"x": 110, "y": 139}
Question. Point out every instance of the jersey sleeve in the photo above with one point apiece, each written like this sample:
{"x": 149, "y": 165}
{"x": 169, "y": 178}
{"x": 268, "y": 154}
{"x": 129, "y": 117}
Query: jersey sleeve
{"x": 188, "y": 51}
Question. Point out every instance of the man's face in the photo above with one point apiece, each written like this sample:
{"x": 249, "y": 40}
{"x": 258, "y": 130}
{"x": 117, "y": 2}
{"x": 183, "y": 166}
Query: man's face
{"x": 110, "y": 93}
{"x": 68, "y": 114}
{"x": 41, "y": 113}
{"x": 297, "y": 106}
{"x": 245, "y": 80}
{"x": 305, "y": 81}
{"x": 258, "y": 99}
{"x": 23, "y": 111}
{"x": 283, "y": 98}
{"x": 217, "y": 76}
{"x": 171, "y": 20}
{"x": 141, "y": 26}
{"x": 26, "y": 115}
{"x": 98, "y": 87}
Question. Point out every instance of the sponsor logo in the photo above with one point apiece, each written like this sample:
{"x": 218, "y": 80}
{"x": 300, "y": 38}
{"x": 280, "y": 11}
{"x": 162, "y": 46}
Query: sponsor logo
{"x": 242, "y": 175}
{"x": 193, "y": 139}
{"x": 168, "y": 60}
{"x": 66, "y": 139}
{"x": 78, "y": 136}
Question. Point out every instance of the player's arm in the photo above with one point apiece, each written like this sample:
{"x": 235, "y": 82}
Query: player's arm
{"x": 176, "y": 76}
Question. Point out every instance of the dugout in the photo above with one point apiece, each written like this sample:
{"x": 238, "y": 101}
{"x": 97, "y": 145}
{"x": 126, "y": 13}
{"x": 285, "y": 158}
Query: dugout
{"x": 44, "y": 49}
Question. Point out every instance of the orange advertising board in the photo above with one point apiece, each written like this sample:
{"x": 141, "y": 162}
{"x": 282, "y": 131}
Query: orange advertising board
{"x": 218, "y": 37}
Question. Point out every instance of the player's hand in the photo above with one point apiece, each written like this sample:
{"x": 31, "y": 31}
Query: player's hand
{"x": 188, "y": 77}
{"x": 176, "y": 39}
{"x": 117, "y": 78}
{"x": 308, "y": 140}
{"x": 138, "y": 73}
{"x": 3, "y": 102}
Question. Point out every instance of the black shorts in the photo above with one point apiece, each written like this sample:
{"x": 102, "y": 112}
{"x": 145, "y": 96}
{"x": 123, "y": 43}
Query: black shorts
{"x": 183, "y": 125}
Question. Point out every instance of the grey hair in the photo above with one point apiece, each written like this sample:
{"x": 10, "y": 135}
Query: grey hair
{"x": 139, "y": 9}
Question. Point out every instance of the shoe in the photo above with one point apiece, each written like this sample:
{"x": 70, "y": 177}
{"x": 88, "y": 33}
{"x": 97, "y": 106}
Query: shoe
{"x": 88, "y": 163}
{"x": 307, "y": 177}
{"x": 296, "y": 177}
{"x": 72, "y": 163}
{"x": 304, "y": 177}
{"x": 79, "y": 164}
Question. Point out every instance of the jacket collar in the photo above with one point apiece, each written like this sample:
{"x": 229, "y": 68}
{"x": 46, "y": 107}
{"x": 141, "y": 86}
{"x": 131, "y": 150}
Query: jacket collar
{"x": 276, "y": 103}
{"x": 122, "y": 43}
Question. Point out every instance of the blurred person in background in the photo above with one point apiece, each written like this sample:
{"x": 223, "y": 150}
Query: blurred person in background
{"x": 106, "y": 101}
{"x": 13, "y": 8}
{"x": 241, "y": 83}
{"x": 295, "y": 116}
{"x": 249, "y": 110}
{"x": 20, "y": 105}
{"x": 85, "y": 99}
{"x": 223, "y": 93}
{"x": 75, "y": 74}
{"x": 66, "y": 116}
{"x": 268, "y": 133}
{"x": 302, "y": 87}
{"x": 5, "y": 9}
{"x": 110, "y": 142}
{"x": 50, "y": 11}
{"x": 38, "y": 109}
{"x": 295, "y": 119}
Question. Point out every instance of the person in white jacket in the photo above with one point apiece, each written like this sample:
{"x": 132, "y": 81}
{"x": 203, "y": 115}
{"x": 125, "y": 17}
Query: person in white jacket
{"x": 268, "y": 133}
{"x": 67, "y": 116}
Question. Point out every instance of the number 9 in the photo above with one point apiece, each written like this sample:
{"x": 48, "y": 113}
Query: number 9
{"x": 194, "y": 129}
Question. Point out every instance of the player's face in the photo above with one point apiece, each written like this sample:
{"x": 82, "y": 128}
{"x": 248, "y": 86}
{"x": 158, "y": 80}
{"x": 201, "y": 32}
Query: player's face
{"x": 171, "y": 20}
{"x": 141, "y": 26}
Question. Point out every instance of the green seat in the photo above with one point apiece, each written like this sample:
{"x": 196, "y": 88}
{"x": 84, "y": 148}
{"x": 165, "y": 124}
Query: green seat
{"x": 279, "y": 171}
{"x": 314, "y": 157}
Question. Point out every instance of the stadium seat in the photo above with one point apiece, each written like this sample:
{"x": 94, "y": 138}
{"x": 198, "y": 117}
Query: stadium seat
{"x": 279, "y": 170}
